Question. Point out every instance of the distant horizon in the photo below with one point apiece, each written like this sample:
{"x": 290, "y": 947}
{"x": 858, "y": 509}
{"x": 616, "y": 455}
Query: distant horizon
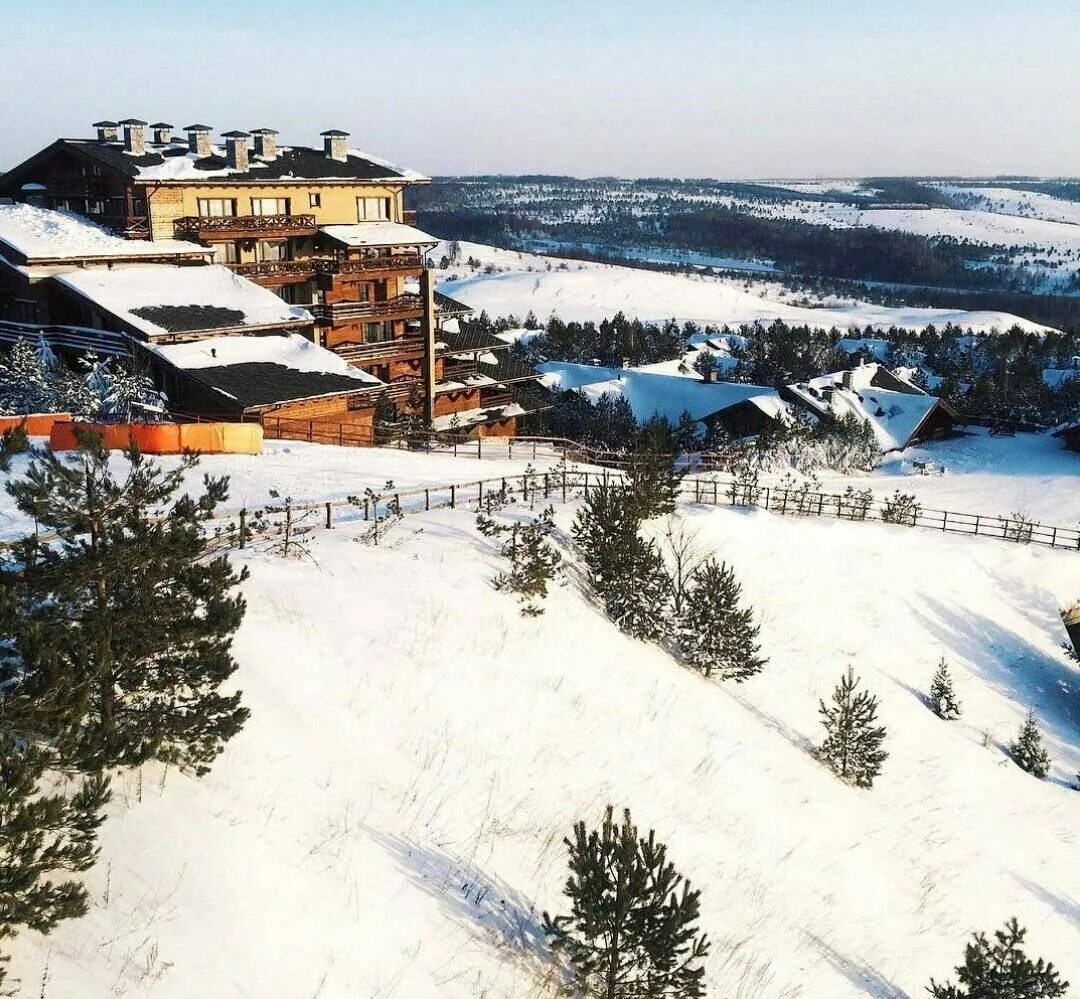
{"x": 692, "y": 88}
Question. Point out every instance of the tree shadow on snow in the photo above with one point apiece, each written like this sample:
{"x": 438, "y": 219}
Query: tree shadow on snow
{"x": 858, "y": 973}
{"x": 1061, "y": 904}
{"x": 482, "y": 903}
{"x": 1010, "y": 663}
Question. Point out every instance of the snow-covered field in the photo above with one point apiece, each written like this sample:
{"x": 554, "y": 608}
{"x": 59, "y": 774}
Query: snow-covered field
{"x": 582, "y": 291}
{"x": 389, "y": 822}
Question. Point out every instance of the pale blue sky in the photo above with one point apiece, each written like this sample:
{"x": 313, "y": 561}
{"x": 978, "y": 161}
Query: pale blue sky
{"x": 724, "y": 88}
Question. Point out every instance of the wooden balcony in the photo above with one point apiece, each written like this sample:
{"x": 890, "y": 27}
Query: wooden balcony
{"x": 300, "y": 270}
{"x": 224, "y": 227}
{"x": 403, "y": 348}
{"x": 399, "y": 307}
{"x": 368, "y": 265}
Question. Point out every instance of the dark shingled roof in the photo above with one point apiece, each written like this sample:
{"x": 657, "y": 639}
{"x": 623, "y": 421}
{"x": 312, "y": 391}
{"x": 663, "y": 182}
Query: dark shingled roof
{"x": 447, "y": 306}
{"x": 260, "y": 383}
{"x": 457, "y": 343}
{"x": 509, "y": 369}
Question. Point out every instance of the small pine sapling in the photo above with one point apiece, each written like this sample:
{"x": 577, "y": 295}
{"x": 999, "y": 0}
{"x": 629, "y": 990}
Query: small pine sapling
{"x": 900, "y": 509}
{"x": 381, "y": 522}
{"x": 1027, "y": 749}
{"x": 631, "y": 931}
{"x": 716, "y": 635}
{"x": 533, "y": 562}
{"x": 853, "y": 739}
{"x": 942, "y": 697}
{"x": 1001, "y": 970}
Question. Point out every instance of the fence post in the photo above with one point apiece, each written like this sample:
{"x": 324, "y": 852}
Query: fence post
{"x": 697, "y": 490}
{"x": 365, "y": 509}
{"x": 340, "y": 433}
{"x": 453, "y": 497}
{"x": 479, "y": 448}
{"x": 534, "y": 450}
{"x": 564, "y": 484}
{"x": 547, "y": 486}
{"x": 715, "y": 488}
{"x": 1053, "y": 538}
{"x": 427, "y": 499}
{"x": 767, "y": 490}
{"x": 243, "y": 528}
{"x": 329, "y": 517}
{"x": 944, "y": 521}
{"x": 310, "y": 430}
{"x": 480, "y": 491}
{"x": 976, "y": 523}
{"x": 509, "y": 447}
{"x": 820, "y": 503}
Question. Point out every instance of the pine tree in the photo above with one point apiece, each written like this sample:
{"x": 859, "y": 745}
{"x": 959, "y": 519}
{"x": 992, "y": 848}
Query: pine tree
{"x": 533, "y": 562}
{"x": 42, "y": 835}
{"x": 1027, "y": 750}
{"x": 942, "y": 698}
{"x": 1001, "y": 971}
{"x": 119, "y": 632}
{"x": 852, "y": 745}
{"x": 625, "y": 571}
{"x": 716, "y": 635}
{"x": 651, "y": 472}
{"x": 631, "y": 930}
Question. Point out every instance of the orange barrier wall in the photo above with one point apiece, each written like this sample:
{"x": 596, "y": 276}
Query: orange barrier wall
{"x": 37, "y": 424}
{"x": 166, "y": 438}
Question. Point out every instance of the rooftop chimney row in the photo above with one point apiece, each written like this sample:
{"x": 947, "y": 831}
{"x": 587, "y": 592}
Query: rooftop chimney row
{"x": 134, "y": 137}
{"x": 335, "y": 144}
{"x": 198, "y": 137}
{"x": 265, "y": 142}
{"x": 236, "y": 150}
{"x": 162, "y": 132}
{"x": 106, "y": 131}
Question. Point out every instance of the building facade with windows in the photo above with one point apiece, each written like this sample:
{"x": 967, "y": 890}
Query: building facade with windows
{"x": 325, "y": 229}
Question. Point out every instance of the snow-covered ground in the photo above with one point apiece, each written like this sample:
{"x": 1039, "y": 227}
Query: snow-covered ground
{"x": 389, "y": 822}
{"x": 574, "y": 290}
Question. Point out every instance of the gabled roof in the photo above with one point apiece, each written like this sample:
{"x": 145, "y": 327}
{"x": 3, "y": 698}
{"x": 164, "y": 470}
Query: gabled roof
{"x": 461, "y": 341}
{"x": 451, "y": 307}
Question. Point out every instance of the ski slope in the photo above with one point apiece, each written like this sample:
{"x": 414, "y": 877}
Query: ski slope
{"x": 573, "y": 290}
{"x": 389, "y": 822}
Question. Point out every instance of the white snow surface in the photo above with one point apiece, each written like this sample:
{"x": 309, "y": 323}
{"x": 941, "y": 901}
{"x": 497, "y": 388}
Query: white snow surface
{"x": 389, "y": 822}
{"x": 41, "y": 233}
{"x": 289, "y": 350}
{"x": 590, "y": 291}
{"x": 378, "y": 234}
{"x": 121, "y": 290}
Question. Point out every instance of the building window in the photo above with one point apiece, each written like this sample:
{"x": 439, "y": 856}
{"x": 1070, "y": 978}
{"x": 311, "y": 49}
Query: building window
{"x": 273, "y": 249}
{"x": 373, "y": 209}
{"x": 314, "y": 201}
{"x": 269, "y": 206}
{"x": 378, "y": 332}
{"x": 212, "y": 208}
{"x": 226, "y": 253}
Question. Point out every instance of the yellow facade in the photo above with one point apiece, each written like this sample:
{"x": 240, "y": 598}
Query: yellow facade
{"x": 337, "y": 206}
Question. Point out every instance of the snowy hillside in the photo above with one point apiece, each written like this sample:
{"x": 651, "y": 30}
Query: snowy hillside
{"x": 389, "y": 822}
{"x": 518, "y": 282}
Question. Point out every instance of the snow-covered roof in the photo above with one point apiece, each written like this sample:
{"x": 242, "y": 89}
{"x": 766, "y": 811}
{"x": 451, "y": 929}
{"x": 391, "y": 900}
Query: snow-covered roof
{"x": 290, "y": 350}
{"x": 39, "y": 234}
{"x": 893, "y": 416}
{"x": 1056, "y": 377}
{"x": 470, "y": 417}
{"x": 260, "y": 370}
{"x": 875, "y": 347}
{"x": 158, "y": 299}
{"x": 649, "y": 393}
{"x": 378, "y": 234}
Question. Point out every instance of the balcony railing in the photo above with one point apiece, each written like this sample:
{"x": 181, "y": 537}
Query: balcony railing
{"x": 408, "y": 217}
{"x": 398, "y": 262}
{"x": 277, "y": 268}
{"x": 400, "y": 307}
{"x": 388, "y": 350}
{"x": 241, "y": 226}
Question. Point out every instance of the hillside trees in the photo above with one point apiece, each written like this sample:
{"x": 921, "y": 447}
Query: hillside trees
{"x": 942, "y": 696}
{"x": 1027, "y": 749}
{"x": 853, "y": 739}
{"x": 533, "y": 561}
{"x": 631, "y": 931}
{"x": 1001, "y": 970}
{"x": 716, "y": 634}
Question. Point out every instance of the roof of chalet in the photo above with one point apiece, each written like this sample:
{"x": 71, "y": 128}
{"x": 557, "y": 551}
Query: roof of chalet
{"x": 466, "y": 341}
{"x": 161, "y": 299}
{"x": 472, "y": 417}
{"x": 378, "y": 234}
{"x": 895, "y": 412}
{"x": 650, "y": 393}
{"x": 264, "y": 370}
{"x": 37, "y": 235}
{"x": 173, "y": 161}
{"x": 449, "y": 307}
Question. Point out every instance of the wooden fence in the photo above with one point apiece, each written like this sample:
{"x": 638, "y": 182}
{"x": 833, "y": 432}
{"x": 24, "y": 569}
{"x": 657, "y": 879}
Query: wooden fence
{"x": 564, "y": 484}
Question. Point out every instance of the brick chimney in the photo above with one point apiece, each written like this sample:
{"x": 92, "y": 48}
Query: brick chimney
{"x": 134, "y": 138}
{"x": 162, "y": 132}
{"x": 236, "y": 150}
{"x": 265, "y": 142}
{"x": 198, "y": 139}
{"x": 334, "y": 144}
{"x": 106, "y": 131}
